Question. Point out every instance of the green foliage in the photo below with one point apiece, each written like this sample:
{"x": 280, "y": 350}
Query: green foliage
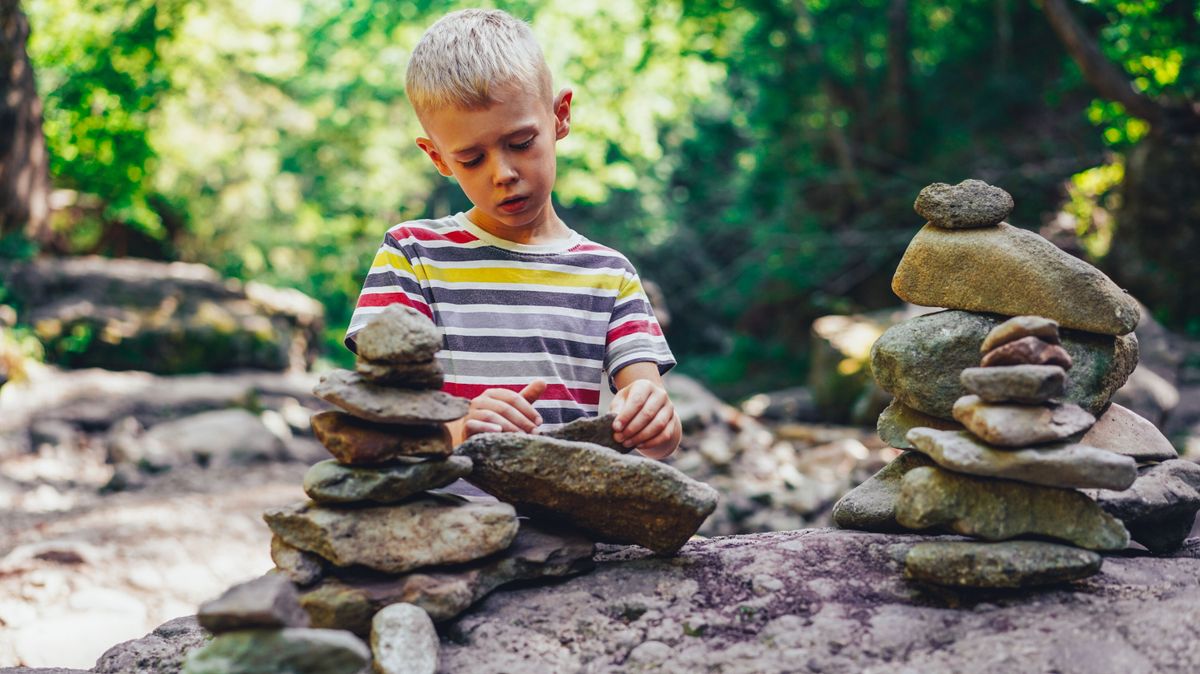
{"x": 757, "y": 159}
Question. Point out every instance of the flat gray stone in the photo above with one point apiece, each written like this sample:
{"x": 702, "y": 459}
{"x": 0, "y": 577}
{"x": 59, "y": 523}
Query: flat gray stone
{"x": 425, "y": 531}
{"x": 398, "y": 334}
{"x": 920, "y": 361}
{"x": 1009, "y": 425}
{"x": 1025, "y": 384}
{"x": 1057, "y": 465}
{"x": 404, "y": 641}
{"x": 898, "y": 419}
{"x": 1160, "y": 508}
{"x": 1120, "y": 430}
{"x": 997, "y": 510}
{"x": 871, "y": 506}
{"x": 350, "y": 599}
{"x": 1012, "y": 272}
{"x": 1011, "y": 564}
{"x": 971, "y": 203}
{"x": 1019, "y": 327}
{"x": 419, "y": 375}
{"x": 292, "y": 650}
{"x": 265, "y": 602}
{"x": 331, "y": 482}
{"x": 349, "y": 391}
{"x": 596, "y": 430}
{"x": 299, "y": 566}
{"x": 616, "y": 498}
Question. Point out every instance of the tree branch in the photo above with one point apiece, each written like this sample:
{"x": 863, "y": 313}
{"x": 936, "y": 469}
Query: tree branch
{"x": 1107, "y": 78}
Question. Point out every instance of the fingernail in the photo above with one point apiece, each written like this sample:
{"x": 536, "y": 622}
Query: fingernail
{"x": 618, "y": 425}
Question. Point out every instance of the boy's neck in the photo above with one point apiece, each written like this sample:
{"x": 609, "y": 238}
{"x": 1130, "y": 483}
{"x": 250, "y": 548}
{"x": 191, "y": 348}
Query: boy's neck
{"x": 549, "y": 230}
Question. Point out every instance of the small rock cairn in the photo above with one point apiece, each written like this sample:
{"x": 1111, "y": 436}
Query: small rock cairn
{"x": 378, "y": 550}
{"x": 1007, "y": 447}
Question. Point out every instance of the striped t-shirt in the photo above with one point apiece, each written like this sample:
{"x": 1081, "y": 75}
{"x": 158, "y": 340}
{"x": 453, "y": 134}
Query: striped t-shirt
{"x": 565, "y": 312}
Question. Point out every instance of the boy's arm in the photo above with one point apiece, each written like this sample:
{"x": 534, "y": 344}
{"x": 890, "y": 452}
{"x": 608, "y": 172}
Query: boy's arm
{"x": 646, "y": 418}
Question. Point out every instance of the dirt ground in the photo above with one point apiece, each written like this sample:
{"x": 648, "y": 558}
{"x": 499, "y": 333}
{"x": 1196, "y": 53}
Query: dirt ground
{"x": 81, "y": 572}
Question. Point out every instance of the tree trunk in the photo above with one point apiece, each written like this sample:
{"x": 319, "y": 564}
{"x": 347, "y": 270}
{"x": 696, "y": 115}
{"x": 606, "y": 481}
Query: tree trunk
{"x": 897, "y": 98}
{"x": 24, "y": 172}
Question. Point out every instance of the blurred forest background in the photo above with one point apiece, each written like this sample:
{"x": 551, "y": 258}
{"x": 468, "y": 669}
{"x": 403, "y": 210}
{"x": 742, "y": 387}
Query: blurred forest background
{"x": 757, "y": 159}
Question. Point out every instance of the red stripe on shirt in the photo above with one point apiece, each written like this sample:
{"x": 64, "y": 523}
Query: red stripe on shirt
{"x": 384, "y": 299}
{"x": 633, "y": 327}
{"x": 553, "y": 392}
{"x": 422, "y": 234}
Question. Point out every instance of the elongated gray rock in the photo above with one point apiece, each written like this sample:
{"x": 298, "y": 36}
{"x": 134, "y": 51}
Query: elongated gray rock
{"x": 1124, "y": 432}
{"x": 425, "y": 531}
{"x": 871, "y": 506}
{"x": 1019, "y": 327}
{"x": 350, "y": 599}
{"x": 1009, "y": 425}
{"x": 331, "y": 482}
{"x": 1160, "y": 508}
{"x": 617, "y": 498}
{"x": 920, "y": 361}
{"x": 1010, "y": 271}
{"x": 971, "y": 203}
{"x": 349, "y": 391}
{"x": 898, "y": 419}
{"x": 265, "y": 602}
{"x": 419, "y": 375}
{"x": 1056, "y": 465}
{"x": 404, "y": 641}
{"x": 293, "y": 650}
{"x": 1010, "y": 564}
{"x": 596, "y": 430}
{"x": 1026, "y": 384}
{"x": 398, "y": 334}
{"x": 362, "y": 443}
{"x": 997, "y": 510}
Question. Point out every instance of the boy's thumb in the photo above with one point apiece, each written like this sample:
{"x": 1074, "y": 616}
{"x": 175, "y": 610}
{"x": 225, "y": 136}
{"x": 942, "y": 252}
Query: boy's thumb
{"x": 534, "y": 390}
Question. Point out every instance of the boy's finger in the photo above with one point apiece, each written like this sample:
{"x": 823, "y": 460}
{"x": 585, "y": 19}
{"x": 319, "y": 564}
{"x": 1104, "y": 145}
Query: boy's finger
{"x": 475, "y": 426}
{"x": 653, "y": 428}
{"x": 534, "y": 390}
{"x": 517, "y": 401}
{"x": 635, "y": 402}
{"x": 500, "y": 412}
{"x": 638, "y": 424}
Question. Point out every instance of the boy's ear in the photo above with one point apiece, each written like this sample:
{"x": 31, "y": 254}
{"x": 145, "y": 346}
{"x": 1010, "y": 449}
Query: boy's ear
{"x": 434, "y": 156}
{"x": 562, "y": 113}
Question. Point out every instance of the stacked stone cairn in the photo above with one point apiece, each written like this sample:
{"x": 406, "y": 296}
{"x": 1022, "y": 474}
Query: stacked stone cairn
{"x": 1006, "y": 446}
{"x": 380, "y": 550}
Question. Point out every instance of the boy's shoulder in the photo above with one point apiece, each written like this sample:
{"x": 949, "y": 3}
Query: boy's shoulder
{"x": 445, "y": 230}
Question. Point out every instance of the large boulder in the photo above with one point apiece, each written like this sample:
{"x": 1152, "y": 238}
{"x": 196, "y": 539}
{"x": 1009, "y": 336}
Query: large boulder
{"x": 618, "y": 498}
{"x": 920, "y": 361}
{"x": 820, "y": 600}
{"x": 1010, "y": 271}
{"x": 168, "y": 318}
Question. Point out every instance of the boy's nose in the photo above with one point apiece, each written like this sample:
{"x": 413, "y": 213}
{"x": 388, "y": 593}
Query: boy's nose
{"x": 505, "y": 173}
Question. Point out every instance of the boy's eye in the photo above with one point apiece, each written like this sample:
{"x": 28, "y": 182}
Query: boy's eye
{"x": 472, "y": 162}
{"x": 524, "y": 145}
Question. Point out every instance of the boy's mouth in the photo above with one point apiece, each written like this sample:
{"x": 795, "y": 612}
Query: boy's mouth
{"x": 513, "y": 204}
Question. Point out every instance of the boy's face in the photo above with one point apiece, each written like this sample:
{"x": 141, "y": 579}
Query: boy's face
{"x": 503, "y": 157}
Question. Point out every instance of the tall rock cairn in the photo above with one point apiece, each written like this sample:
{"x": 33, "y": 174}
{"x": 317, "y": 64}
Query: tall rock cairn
{"x": 1007, "y": 446}
{"x": 373, "y": 533}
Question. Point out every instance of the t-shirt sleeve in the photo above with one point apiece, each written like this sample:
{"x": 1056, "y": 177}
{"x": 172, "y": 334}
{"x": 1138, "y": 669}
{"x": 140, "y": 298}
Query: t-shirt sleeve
{"x": 393, "y": 278}
{"x": 634, "y": 335}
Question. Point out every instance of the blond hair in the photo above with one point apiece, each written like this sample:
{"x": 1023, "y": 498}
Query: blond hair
{"x": 464, "y": 57}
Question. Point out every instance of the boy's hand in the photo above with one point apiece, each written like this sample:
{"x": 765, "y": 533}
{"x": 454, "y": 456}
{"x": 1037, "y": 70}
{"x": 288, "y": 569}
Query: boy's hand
{"x": 499, "y": 410}
{"x": 646, "y": 418}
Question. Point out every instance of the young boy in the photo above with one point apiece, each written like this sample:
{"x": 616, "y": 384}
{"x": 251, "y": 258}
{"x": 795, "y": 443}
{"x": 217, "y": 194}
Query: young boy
{"x": 532, "y": 313}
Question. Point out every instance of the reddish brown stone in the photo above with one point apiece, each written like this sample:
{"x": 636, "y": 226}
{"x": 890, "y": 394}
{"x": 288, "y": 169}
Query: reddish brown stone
{"x": 1027, "y": 351}
{"x": 362, "y": 443}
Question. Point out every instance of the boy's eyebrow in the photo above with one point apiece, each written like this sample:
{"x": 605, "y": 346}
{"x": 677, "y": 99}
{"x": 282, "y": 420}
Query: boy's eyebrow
{"x": 525, "y": 128}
